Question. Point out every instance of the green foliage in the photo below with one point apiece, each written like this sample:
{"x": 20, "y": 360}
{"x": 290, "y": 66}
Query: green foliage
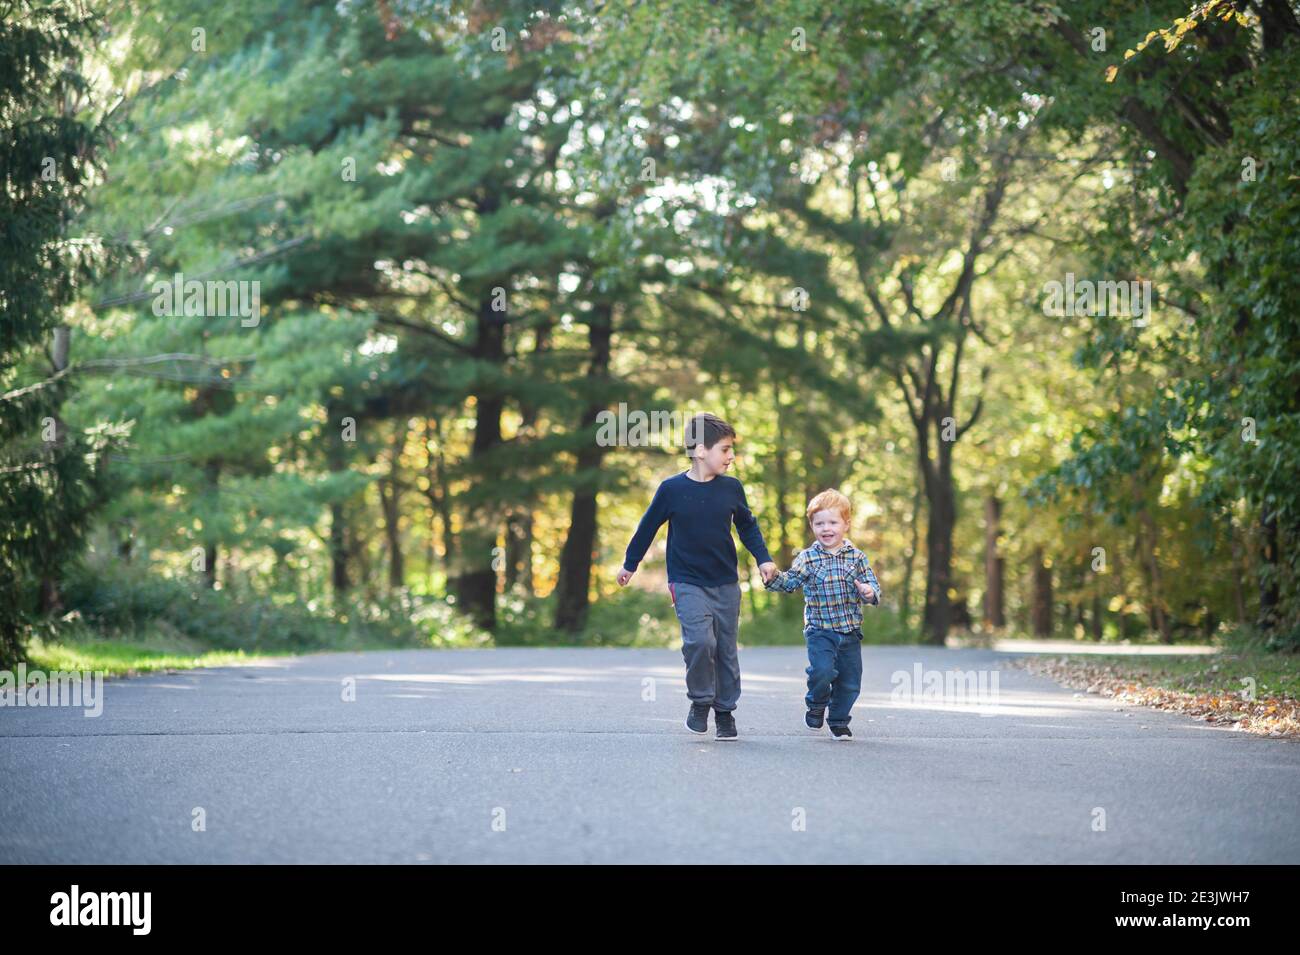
{"x": 118, "y": 599}
{"x": 630, "y": 618}
{"x": 1217, "y": 385}
{"x": 49, "y": 474}
{"x": 382, "y": 170}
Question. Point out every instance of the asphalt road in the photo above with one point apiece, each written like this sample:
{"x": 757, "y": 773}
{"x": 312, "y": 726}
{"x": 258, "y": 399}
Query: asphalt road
{"x": 569, "y": 755}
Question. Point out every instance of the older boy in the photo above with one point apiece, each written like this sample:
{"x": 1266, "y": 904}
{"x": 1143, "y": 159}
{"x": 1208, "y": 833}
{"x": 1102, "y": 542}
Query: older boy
{"x": 700, "y": 506}
{"x": 837, "y": 580}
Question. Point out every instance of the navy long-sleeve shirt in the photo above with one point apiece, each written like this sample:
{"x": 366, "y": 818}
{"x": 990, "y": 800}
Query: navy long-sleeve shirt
{"x": 699, "y": 515}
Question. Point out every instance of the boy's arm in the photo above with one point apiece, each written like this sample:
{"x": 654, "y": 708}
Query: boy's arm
{"x": 750, "y": 535}
{"x": 790, "y": 580}
{"x": 651, "y": 521}
{"x": 864, "y": 572}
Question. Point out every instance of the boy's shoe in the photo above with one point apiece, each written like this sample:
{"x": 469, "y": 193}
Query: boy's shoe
{"x": 697, "y": 720}
{"x": 841, "y": 732}
{"x": 813, "y": 719}
{"x": 726, "y": 726}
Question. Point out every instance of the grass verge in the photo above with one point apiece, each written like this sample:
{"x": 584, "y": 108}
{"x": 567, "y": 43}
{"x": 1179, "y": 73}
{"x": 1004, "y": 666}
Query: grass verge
{"x": 1244, "y": 686}
{"x": 131, "y": 656}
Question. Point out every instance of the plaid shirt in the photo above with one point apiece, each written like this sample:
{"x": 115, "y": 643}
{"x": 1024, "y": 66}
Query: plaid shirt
{"x": 831, "y": 599}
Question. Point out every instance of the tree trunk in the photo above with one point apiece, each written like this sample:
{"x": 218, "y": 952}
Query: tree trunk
{"x": 336, "y": 459}
{"x": 941, "y": 498}
{"x": 439, "y": 494}
{"x": 994, "y": 565}
{"x": 338, "y": 551}
{"x": 122, "y": 531}
{"x": 519, "y": 549}
{"x": 358, "y": 550}
{"x": 211, "y": 551}
{"x": 961, "y": 618}
{"x": 390, "y": 501}
{"x": 50, "y": 600}
{"x": 519, "y": 522}
{"x": 1041, "y": 603}
{"x": 573, "y": 587}
{"x": 476, "y": 584}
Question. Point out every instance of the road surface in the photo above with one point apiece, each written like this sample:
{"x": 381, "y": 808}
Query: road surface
{"x": 581, "y": 756}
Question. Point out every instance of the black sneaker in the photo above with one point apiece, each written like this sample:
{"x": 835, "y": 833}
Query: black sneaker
{"x": 697, "y": 720}
{"x": 726, "y": 724}
{"x": 813, "y": 719}
{"x": 841, "y": 732}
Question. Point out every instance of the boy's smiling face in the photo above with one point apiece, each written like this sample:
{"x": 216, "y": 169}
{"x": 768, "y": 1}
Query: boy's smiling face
{"x": 829, "y": 528}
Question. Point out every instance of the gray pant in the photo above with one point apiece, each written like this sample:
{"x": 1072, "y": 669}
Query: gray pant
{"x": 710, "y": 617}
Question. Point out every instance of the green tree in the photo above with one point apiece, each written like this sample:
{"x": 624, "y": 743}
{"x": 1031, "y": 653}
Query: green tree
{"x": 49, "y": 473}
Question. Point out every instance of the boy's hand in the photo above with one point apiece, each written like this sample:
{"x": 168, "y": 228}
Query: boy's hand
{"x": 624, "y": 575}
{"x": 867, "y": 591}
{"x": 767, "y": 571}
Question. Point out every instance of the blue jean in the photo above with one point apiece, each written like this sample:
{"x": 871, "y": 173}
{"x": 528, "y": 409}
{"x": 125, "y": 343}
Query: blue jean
{"x": 834, "y": 673}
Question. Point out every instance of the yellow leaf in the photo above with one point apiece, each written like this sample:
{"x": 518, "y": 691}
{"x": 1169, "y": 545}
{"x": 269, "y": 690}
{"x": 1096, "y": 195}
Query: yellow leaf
{"x": 1128, "y": 54}
{"x": 1110, "y": 73}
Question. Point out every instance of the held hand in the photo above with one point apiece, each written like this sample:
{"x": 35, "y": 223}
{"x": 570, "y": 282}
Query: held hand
{"x": 767, "y": 571}
{"x": 624, "y": 575}
{"x": 867, "y": 591}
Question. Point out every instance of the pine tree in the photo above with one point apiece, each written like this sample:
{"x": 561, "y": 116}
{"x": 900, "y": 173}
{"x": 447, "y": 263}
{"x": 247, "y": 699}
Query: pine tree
{"x": 49, "y": 474}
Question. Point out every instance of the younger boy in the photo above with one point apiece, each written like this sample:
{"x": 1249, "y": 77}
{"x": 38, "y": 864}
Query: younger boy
{"x": 837, "y": 580}
{"x": 700, "y": 506}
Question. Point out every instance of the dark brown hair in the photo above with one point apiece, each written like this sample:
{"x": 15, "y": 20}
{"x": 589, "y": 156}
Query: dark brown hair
{"x": 707, "y": 429}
